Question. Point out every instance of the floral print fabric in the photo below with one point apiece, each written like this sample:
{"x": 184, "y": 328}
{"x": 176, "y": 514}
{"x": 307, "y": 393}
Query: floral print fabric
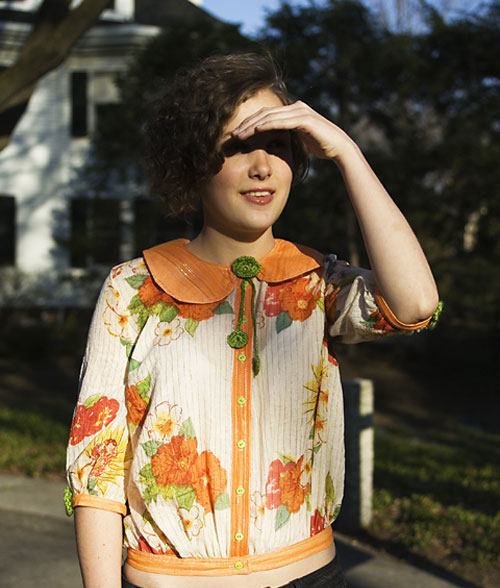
{"x": 152, "y": 435}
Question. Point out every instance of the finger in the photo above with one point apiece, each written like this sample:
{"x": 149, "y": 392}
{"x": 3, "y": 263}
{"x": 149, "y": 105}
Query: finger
{"x": 271, "y": 121}
{"x": 267, "y": 118}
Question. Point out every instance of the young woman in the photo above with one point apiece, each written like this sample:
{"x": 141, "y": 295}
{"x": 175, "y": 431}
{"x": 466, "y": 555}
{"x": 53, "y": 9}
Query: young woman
{"x": 209, "y": 428}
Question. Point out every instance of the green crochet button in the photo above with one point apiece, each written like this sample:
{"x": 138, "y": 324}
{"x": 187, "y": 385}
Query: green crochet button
{"x": 237, "y": 339}
{"x": 241, "y": 444}
{"x": 238, "y": 565}
{"x": 241, "y": 400}
{"x": 242, "y": 357}
{"x": 240, "y": 490}
{"x": 245, "y": 266}
{"x": 238, "y": 536}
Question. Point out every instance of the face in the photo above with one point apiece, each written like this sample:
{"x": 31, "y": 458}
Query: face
{"x": 249, "y": 193}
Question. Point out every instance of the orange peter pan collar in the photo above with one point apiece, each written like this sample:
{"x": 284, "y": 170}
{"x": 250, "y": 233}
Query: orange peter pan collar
{"x": 188, "y": 278}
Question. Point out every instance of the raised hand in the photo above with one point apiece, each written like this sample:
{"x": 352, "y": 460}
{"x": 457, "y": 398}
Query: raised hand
{"x": 323, "y": 138}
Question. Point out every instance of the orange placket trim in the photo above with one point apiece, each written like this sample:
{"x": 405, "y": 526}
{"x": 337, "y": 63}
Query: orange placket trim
{"x": 240, "y": 418}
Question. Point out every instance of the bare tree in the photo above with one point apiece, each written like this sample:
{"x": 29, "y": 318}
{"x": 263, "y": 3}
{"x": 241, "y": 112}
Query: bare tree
{"x": 56, "y": 29}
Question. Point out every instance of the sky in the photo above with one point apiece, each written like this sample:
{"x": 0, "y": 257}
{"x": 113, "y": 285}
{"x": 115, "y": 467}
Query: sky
{"x": 251, "y": 13}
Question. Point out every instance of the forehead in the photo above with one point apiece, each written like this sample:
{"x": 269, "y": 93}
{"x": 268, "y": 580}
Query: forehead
{"x": 263, "y": 99}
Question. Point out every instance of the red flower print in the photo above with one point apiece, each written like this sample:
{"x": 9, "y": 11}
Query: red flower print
{"x": 272, "y": 302}
{"x": 173, "y": 462}
{"x": 91, "y": 417}
{"x": 317, "y": 523}
{"x": 297, "y": 300}
{"x": 273, "y": 489}
{"x": 209, "y": 479}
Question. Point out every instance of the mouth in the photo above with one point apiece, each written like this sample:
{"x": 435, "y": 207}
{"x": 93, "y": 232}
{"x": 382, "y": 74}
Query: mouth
{"x": 258, "y": 196}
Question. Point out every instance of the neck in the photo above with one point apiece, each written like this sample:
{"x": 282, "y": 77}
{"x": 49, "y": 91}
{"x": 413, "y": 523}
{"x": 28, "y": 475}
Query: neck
{"x": 221, "y": 249}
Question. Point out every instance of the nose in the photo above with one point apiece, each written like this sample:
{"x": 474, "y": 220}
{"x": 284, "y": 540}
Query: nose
{"x": 260, "y": 164}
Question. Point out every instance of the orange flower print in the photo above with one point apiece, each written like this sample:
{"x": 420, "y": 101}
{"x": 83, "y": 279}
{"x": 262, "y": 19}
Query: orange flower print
{"x": 209, "y": 479}
{"x": 299, "y": 299}
{"x": 317, "y": 523}
{"x": 136, "y": 406}
{"x": 167, "y": 332}
{"x": 293, "y": 493}
{"x": 173, "y": 462}
{"x": 378, "y": 322}
{"x": 91, "y": 417}
{"x": 150, "y": 293}
{"x": 168, "y": 420}
{"x": 197, "y": 312}
{"x": 272, "y": 301}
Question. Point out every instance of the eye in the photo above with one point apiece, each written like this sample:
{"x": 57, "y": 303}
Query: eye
{"x": 278, "y": 142}
{"x": 234, "y": 146}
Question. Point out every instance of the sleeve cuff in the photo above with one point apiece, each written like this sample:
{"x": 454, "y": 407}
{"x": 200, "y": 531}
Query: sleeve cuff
{"x": 100, "y": 503}
{"x": 392, "y": 318}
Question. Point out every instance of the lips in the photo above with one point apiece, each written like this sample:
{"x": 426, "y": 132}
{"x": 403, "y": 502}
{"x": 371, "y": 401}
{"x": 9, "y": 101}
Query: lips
{"x": 261, "y": 196}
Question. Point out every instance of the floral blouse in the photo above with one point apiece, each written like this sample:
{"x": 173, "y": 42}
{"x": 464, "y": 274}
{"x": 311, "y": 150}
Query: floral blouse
{"x": 210, "y": 411}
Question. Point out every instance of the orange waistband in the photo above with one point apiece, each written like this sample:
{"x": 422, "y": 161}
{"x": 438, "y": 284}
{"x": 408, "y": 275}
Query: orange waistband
{"x": 226, "y": 566}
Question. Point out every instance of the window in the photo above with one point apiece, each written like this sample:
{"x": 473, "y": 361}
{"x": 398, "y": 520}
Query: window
{"x": 79, "y": 104}
{"x": 95, "y": 231}
{"x": 152, "y": 226}
{"x": 7, "y": 230}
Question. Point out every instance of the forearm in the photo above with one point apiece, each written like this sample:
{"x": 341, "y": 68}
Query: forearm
{"x": 99, "y": 543}
{"x": 397, "y": 260}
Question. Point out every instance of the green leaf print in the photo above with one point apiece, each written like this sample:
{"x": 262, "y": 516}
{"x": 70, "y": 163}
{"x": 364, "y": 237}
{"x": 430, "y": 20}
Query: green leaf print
{"x": 168, "y": 313}
{"x": 92, "y": 400}
{"x": 282, "y": 517}
{"x": 329, "y": 489}
{"x": 91, "y": 484}
{"x": 222, "y": 501}
{"x": 187, "y": 429}
{"x": 224, "y": 308}
{"x": 135, "y": 303}
{"x": 184, "y": 495}
{"x": 147, "y": 478}
{"x": 136, "y": 281}
{"x": 191, "y": 325}
{"x": 143, "y": 388}
{"x": 286, "y": 458}
{"x": 133, "y": 365}
{"x": 151, "y": 448}
{"x": 283, "y": 321}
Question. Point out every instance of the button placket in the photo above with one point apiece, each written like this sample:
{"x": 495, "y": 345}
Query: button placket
{"x": 242, "y": 377}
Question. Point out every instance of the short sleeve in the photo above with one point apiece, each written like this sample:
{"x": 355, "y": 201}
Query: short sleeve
{"x": 98, "y": 455}
{"x": 355, "y": 310}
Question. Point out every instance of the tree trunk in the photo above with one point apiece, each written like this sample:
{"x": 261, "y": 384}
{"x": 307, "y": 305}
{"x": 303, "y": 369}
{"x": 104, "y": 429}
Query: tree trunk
{"x": 56, "y": 30}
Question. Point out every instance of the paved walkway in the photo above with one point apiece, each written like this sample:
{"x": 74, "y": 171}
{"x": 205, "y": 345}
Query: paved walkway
{"x": 37, "y": 546}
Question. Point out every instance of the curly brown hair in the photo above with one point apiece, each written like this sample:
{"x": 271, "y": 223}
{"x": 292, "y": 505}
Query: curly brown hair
{"x": 183, "y": 131}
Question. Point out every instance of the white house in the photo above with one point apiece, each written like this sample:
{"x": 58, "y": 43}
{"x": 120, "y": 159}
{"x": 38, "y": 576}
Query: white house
{"x": 39, "y": 214}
